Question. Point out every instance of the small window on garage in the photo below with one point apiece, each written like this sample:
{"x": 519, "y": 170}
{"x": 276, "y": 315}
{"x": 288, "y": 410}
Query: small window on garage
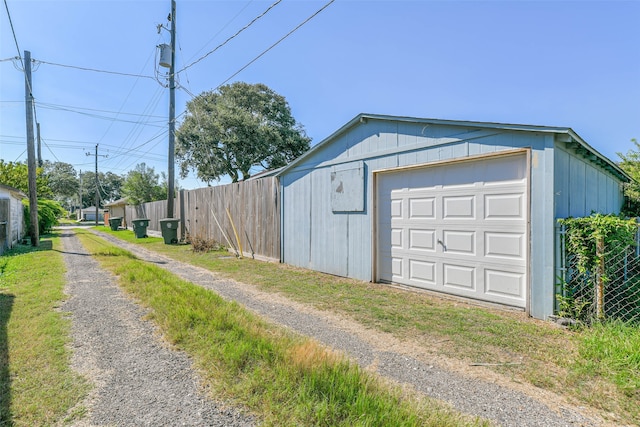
{"x": 347, "y": 187}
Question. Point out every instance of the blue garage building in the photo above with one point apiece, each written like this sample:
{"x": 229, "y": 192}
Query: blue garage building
{"x": 463, "y": 208}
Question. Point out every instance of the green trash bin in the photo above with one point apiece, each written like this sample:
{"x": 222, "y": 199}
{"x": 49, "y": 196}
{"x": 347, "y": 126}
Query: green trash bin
{"x": 140, "y": 227}
{"x": 169, "y": 229}
{"x": 115, "y": 222}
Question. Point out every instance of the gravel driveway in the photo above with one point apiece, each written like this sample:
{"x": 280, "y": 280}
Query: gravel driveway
{"x": 142, "y": 382}
{"x": 139, "y": 380}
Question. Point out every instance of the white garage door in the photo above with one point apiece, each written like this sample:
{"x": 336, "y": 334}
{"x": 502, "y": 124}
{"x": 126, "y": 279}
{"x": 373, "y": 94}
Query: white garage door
{"x": 459, "y": 228}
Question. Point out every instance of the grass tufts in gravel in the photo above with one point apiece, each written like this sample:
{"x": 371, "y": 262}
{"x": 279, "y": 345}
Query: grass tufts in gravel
{"x": 284, "y": 379}
{"x": 593, "y": 366}
{"x": 37, "y": 386}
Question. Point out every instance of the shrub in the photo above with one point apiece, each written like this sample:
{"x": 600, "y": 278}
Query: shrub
{"x": 202, "y": 244}
{"x": 48, "y": 213}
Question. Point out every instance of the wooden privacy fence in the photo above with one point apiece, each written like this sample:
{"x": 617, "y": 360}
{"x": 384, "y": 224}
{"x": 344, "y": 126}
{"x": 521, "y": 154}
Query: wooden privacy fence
{"x": 252, "y": 207}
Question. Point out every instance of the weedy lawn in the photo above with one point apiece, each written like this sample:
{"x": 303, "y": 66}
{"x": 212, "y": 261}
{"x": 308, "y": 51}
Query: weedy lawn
{"x": 37, "y": 386}
{"x": 598, "y": 366}
{"x": 284, "y": 378}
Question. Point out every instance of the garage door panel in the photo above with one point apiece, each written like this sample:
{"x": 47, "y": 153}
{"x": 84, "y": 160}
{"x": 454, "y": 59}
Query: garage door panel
{"x": 459, "y": 242}
{"x": 459, "y": 277}
{"x": 422, "y": 240}
{"x": 504, "y": 206}
{"x": 422, "y": 208}
{"x": 396, "y": 238}
{"x": 504, "y": 284}
{"x": 460, "y": 228}
{"x": 397, "y": 268}
{"x": 396, "y": 209}
{"x": 504, "y": 245}
{"x": 459, "y": 207}
{"x": 422, "y": 272}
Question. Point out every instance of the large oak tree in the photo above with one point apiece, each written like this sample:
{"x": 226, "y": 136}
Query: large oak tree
{"x": 239, "y": 127}
{"x": 143, "y": 185}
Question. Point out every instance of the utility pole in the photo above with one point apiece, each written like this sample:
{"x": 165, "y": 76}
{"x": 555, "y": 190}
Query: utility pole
{"x": 39, "y": 146}
{"x": 172, "y": 115}
{"x": 31, "y": 157}
{"x": 79, "y": 198}
{"x": 97, "y": 198}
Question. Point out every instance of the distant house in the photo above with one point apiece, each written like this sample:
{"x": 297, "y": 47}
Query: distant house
{"x": 117, "y": 209}
{"x": 462, "y": 208}
{"x": 89, "y": 214}
{"x": 12, "y": 228}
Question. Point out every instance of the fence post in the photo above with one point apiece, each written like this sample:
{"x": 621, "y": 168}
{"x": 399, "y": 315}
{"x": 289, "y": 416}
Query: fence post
{"x": 561, "y": 271}
{"x": 600, "y": 278}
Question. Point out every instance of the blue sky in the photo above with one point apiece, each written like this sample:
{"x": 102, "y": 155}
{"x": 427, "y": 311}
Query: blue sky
{"x": 554, "y": 63}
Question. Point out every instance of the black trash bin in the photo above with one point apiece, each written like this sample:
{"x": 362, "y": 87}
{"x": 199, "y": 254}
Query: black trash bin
{"x": 140, "y": 227}
{"x": 115, "y": 222}
{"x": 169, "y": 229}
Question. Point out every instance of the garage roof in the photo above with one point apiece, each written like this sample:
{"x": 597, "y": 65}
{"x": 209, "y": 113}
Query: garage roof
{"x": 570, "y": 137}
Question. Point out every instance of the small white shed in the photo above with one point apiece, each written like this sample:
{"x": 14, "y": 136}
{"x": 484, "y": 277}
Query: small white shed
{"x": 12, "y": 227}
{"x": 463, "y": 208}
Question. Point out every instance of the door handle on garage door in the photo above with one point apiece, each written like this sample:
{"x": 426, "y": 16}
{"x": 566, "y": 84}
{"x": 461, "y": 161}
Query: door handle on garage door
{"x": 444, "y": 248}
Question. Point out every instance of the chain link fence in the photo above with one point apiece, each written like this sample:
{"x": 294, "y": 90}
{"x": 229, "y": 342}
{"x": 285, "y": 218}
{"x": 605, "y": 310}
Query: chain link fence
{"x": 608, "y": 291}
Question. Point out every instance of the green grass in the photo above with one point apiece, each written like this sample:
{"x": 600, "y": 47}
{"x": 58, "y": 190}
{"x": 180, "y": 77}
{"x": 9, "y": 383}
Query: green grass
{"x": 283, "y": 378}
{"x": 597, "y": 366}
{"x": 609, "y": 366}
{"x": 37, "y": 386}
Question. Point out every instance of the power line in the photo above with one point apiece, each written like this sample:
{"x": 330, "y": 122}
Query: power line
{"x": 95, "y": 69}
{"x": 230, "y": 38}
{"x": 276, "y": 43}
{"x": 50, "y": 150}
{"x": 135, "y": 83}
{"x": 15, "y": 39}
{"x": 222, "y": 29}
{"x": 73, "y": 108}
{"x": 111, "y": 119}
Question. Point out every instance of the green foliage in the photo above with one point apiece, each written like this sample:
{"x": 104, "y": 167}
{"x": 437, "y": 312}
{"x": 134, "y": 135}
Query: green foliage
{"x": 109, "y": 186}
{"x": 240, "y": 127}
{"x": 610, "y": 351}
{"x": 583, "y": 234}
{"x": 574, "y": 306}
{"x": 48, "y": 213}
{"x": 63, "y": 181}
{"x": 16, "y": 175}
{"x": 631, "y": 165}
{"x": 142, "y": 185}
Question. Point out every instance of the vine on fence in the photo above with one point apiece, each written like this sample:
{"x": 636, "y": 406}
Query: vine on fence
{"x": 585, "y": 240}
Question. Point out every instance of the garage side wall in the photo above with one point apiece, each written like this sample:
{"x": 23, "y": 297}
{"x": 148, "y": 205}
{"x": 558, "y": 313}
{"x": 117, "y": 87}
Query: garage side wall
{"x": 582, "y": 187}
{"x": 319, "y": 237}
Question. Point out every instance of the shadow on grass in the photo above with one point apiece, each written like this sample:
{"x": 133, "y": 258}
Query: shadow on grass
{"x": 6, "y": 305}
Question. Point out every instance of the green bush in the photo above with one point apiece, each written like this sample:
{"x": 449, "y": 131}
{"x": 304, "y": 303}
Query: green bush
{"x": 48, "y": 213}
{"x": 621, "y": 291}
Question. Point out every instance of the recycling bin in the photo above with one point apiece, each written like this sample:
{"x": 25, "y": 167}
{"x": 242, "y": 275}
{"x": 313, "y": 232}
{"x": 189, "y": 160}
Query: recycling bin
{"x": 169, "y": 229}
{"x": 114, "y": 222}
{"x": 140, "y": 227}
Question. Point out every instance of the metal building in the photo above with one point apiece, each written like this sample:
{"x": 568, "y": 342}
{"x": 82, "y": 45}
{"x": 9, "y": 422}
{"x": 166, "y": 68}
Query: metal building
{"x": 12, "y": 227}
{"x": 463, "y": 208}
